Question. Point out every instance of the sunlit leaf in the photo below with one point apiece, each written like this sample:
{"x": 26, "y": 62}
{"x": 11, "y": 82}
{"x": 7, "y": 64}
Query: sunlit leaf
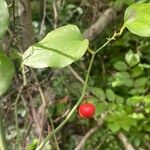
{"x": 110, "y": 94}
{"x": 132, "y": 58}
{"x": 58, "y": 49}
{"x": 120, "y": 66}
{"x": 4, "y": 16}
{"x": 6, "y": 73}
{"x": 137, "y": 19}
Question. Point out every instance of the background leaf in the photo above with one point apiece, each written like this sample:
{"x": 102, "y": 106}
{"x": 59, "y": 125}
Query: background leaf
{"x": 137, "y": 19}
{"x": 120, "y": 66}
{"x": 58, "y": 49}
{"x": 98, "y": 92}
{"x": 132, "y": 58}
{"x": 122, "y": 78}
{"x": 110, "y": 94}
{"x": 6, "y": 72}
{"x": 4, "y": 16}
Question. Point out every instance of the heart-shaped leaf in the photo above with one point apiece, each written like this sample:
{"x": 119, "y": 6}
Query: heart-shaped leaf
{"x": 4, "y": 16}
{"x": 6, "y": 72}
{"x": 58, "y": 49}
{"x": 137, "y": 19}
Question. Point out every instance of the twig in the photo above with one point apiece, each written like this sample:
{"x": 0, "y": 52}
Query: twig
{"x": 103, "y": 65}
{"x": 64, "y": 115}
{"x": 16, "y": 117}
{"x": 16, "y": 102}
{"x": 147, "y": 144}
{"x": 29, "y": 123}
{"x": 101, "y": 142}
{"x": 55, "y": 13}
{"x": 41, "y": 33}
{"x": 91, "y": 131}
{"x": 95, "y": 29}
{"x": 125, "y": 141}
{"x": 3, "y": 142}
{"x": 55, "y": 139}
{"x": 40, "y": 89}
{"x": 77, "y": 76}
{"x": 34, "y": 115}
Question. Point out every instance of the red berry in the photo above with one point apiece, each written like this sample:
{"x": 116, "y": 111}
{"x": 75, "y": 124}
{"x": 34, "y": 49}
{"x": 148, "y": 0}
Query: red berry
{"x": 86, "y": 110}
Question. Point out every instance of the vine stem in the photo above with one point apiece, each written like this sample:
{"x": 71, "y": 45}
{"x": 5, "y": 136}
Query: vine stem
{"x": 55, "y": 138}
{"x": 16, "y": 109}
{"x": 16, "y": 118}
{"x": 3, "y": 142}
{"x": 72, "y": 111}
{"x": 83, "y": 91}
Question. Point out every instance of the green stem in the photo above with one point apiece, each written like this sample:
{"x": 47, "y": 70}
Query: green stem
{"x": 83, "y": 91}
{"x": 72, "y": 111}
{"x": 55, "y": 138}
{"x": 16, "y": 118}
{"x": 3, "y": 142}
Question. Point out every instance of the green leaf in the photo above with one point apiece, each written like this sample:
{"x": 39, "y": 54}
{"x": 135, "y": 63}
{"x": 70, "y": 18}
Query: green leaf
{"x": 6, "y": 73}
{"x": 137, "y": 141}
{"x": 134, "y": 100}
{"x": 110, "y": 95}
{"x": 119, "y": 99}
{"x": 137, "y": 71}
{"x": 33, "y": 145}
{"x": 140, "y": 82}
{"x": 139, "y": 90}
{"x": 60, "y": 108}
{"x": 58, "y": 49}
{"x": 137, "y": 116}
{"x": 4, "y": 16}
{"x": 100, "y": 108}
{"x": 120, "y": 66}
{"x": 114, "y": 127}
{"x": 127, "y": 122}
{"x": 98, "y": 92}
{"x": 137, "y": 19}
{"x": 147, "y": 99}
{"x": 119, "y": 120}
{"x": 132, "y": 58}
{"x": 122, "y": 78}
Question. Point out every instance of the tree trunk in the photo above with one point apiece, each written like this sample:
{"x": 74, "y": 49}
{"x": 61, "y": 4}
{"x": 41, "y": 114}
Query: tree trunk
{"x": 25, "y": 21}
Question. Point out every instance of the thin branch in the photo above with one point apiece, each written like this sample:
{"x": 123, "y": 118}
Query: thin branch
{"x": 29, "y": 123}
{"x": 55, "y": 139}
{"x": 34, "y": 115}
{"x": 147, "y": 144}
{"x": 16, "y": 102}
{"x": 42, "y": 29}
{"x": 16, "y": 117}
{"x": 3, "y": 142}
{"x": 77, "y": 76}
{"x": 95, "y": 29}
{"x": 91, "y": 131}
{"x": 64, "y": 115}
{"x": 125, "y": 141}
{"x": 40, "y": 89}
{"x": 55, "y": 13}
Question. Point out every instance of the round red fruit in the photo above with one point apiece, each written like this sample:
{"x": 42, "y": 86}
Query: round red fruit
{"x": 86, "y": 110}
